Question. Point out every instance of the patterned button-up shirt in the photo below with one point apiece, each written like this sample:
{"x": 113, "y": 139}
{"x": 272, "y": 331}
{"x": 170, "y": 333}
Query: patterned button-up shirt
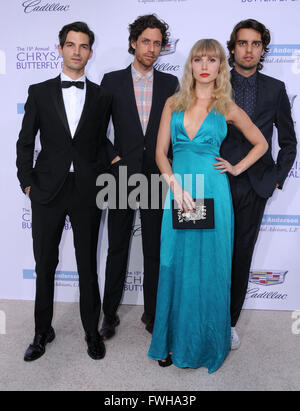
{"x": 245, "y": 91}
{"x": 143, "y": 88}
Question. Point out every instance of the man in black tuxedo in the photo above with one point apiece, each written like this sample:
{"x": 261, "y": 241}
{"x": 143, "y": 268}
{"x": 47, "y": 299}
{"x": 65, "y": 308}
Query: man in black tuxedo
{"x": 72, "y": 115}
{"x": 139, "y": 93}
{"x": 265, "y": 100}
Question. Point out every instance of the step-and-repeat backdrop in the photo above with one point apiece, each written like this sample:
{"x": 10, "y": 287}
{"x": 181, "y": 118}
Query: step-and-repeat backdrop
{"x": 28, "y": 54}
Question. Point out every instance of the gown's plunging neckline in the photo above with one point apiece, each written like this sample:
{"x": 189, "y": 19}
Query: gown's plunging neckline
{"x": 191, "y": 139}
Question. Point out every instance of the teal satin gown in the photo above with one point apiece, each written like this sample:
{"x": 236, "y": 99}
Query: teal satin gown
{"x": 193, "y": 302}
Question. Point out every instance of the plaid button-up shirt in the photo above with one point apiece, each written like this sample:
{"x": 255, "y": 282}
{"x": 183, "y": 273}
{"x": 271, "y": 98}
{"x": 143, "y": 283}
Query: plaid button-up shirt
{"x": 143, "y": 89}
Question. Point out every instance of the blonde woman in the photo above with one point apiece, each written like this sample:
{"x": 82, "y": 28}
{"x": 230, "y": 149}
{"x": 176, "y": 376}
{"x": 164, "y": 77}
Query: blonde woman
{"x": 192, "y": 323}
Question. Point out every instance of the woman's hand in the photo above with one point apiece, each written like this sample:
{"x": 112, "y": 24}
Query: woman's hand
{"x": 182, "y": 197}
{"x": 225, "y": 167}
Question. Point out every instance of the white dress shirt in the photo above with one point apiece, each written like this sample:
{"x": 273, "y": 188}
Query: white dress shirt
{"x": 74, "y": 99}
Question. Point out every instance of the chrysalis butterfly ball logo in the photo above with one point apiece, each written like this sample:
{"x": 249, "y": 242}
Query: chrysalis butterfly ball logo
{"x": 2, "y": 62}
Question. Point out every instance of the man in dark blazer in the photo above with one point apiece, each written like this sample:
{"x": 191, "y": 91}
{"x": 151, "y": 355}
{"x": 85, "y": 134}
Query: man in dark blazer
{"x": 265, "y": 100}
{"x": 139, "y": 93}
{"x": 72, "y": 115}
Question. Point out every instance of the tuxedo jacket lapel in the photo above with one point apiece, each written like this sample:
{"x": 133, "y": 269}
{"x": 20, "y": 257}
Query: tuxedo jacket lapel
{"x": 156, "y": 97}
{"x": 86, "y": 107}
{"x": 260, "y": 98}
{"x": 60, "y": 106}
{"x": 129, "y": 92}
{"x": 56, "y": 93}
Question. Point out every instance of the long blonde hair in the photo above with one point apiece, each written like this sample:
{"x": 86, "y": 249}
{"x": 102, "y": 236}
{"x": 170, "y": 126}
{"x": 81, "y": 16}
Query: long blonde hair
{"x": 222, "y": 94}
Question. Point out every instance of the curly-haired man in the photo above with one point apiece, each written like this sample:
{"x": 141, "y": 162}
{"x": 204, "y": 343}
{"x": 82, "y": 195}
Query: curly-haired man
{"x": 139, "y": 94}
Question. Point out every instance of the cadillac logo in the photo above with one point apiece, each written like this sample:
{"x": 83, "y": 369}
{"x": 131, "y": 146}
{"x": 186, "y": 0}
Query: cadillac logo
{"x": 274, "y": 277}
{"x": 36, "y": 6}
{"x": 169, "y": 48}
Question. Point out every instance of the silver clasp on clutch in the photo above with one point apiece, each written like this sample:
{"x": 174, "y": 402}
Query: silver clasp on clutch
{"x": 198, "y": 214}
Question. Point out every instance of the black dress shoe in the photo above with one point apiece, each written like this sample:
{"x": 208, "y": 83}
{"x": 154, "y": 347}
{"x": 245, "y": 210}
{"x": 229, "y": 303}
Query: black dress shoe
{"x": 108, "y": 329}
{"x": 38, "y": 347}
{"x": 148, "y": 320}
{"x": 168, "y": 361}
{"x": 96, "y": 348}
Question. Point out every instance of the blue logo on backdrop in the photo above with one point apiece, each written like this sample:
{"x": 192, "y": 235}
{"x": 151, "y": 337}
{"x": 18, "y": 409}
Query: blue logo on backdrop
{"x": 284, "y": 49}
{"x": 280, "y": 219}
{"x": 284, "y": 53}
{"x": 59, "y": 275}
{"x": 20, "y": 108}
{"x": 38, "y": 58}
{"x": 280, "y": 223}
{"x": 31, "y": 6}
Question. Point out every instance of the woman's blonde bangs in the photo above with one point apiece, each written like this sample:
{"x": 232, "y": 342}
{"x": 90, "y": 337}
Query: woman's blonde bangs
{"x": 207, "y": 47}
{"x": 222, "y": 94}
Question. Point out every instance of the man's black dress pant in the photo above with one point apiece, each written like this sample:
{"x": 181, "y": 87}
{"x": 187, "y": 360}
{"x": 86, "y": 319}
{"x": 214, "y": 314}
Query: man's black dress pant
{"x": 48, "y": 221}
{"x": 248, "y": 212}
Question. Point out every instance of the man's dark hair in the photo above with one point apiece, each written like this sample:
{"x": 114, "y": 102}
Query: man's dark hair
{"x": 78, "y": 26}
{"x": 144, "y": 22}
{"x": 249, "y": 24}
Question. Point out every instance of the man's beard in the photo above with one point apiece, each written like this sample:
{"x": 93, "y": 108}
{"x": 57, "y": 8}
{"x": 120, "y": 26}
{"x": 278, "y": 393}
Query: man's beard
{"x": 144, "y": 62}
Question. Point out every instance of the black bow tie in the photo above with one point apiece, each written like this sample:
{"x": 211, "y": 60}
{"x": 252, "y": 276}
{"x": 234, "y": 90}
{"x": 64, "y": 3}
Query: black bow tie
{"x": 67, "y": 84}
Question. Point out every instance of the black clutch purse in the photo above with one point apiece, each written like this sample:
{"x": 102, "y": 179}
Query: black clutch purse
{"x": 202, "y": 217}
